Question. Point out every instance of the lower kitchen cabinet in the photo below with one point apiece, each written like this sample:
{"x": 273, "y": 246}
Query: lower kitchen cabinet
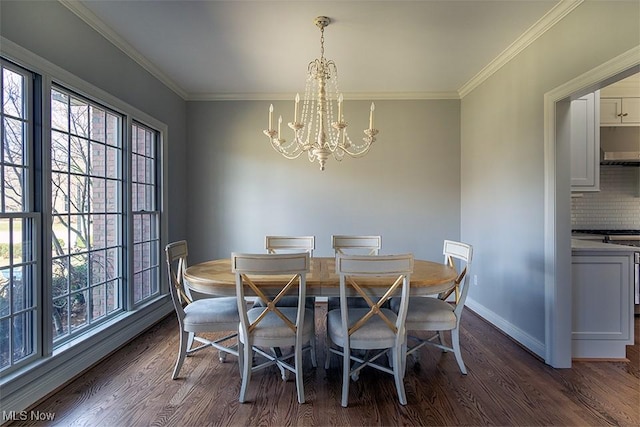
{"x": 602, "y": 310}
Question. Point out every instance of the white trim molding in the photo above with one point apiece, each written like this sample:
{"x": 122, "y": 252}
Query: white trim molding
{"x": 515, "y": 333}
{"x": 363, "y": 96}
{"x": 556, "y": 192}
{"x": 551, "y": 18}
{"x": 562, "y": 9}
{"x": 107, "y": 32}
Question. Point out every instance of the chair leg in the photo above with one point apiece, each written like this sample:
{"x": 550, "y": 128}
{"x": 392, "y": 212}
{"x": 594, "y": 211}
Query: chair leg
{"x": 403, "y": 357}
{"x": 245, "y": 350}
{"x": 327, "y": 355}
{"x": 346, "y": 368}
{"x": 441, "y": 338}
{"x": 314, "y": 360}
{"x": 182, "y": 352}
{"x": 190, "y": 342}
{"x": 455, "y": 341}
{"x": 240, "y": 360}
{"x": 398, "y": 373}
{"x": 277, "y": 353}
{"x": 299, "y": 375}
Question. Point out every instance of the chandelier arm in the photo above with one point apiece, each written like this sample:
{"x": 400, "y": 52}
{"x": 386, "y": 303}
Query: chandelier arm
{"x": 357, "y": 154}
{"x": 294, "y": 154}
{"x": 291, "y": 156}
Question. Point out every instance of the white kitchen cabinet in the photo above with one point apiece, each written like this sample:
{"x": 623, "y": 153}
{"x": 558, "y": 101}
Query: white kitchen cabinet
{"x": 602, "y": 312}
{"x": 620, "y": 102}
{"x": 620, "y": 112}
{"x": 585, "y": 143}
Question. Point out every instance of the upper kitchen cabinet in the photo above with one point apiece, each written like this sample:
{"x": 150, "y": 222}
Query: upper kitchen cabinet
{"x": 585, "y": 143}
{"x": 620, "y": 111}
{"x": 620, "y": 103}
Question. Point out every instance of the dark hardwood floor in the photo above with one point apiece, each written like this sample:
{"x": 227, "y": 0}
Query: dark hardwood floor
{"x": 506, "y": 385}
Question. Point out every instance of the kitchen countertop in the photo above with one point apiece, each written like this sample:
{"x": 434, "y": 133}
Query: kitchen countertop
{"x": 592, "y": 245}
{"x": 587, "y": 236}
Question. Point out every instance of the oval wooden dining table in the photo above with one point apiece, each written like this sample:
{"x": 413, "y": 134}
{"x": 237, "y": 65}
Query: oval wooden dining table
{"x": 216, "y": 278}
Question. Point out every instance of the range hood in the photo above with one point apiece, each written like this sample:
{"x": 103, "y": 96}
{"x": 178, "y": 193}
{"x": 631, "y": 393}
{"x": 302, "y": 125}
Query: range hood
{"x": 620, "y": 146}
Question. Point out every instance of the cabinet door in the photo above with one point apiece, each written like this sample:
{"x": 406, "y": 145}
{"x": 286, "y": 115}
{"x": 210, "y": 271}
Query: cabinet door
{"x": 585, "y": 144}
{"x": 620, "y": 111}
{"x": 630, "y": 110}
{"x": 610, "y": 109}
{"x": 602, "y": 298}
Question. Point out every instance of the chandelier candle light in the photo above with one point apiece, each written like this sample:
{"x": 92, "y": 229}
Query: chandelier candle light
{"x": 312, "y": 134}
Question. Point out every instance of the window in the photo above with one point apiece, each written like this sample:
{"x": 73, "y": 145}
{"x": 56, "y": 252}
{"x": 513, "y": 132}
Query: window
{"x": 19, "y": 224}
{"x": 87, "y": 213}
{"x": 146, "y": 216}
{"x": 80, "y": 214}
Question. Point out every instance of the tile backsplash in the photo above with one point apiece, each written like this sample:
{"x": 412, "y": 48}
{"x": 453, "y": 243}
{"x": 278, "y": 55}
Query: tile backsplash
{"x": 615, "y": 206}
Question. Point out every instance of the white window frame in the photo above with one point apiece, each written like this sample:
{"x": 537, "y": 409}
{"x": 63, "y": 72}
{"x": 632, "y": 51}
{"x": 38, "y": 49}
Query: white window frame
{"x": 28, "y": 214}
{"x": 54, "y": 367}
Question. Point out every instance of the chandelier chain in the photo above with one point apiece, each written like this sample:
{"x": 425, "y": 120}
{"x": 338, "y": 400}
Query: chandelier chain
{"x": 321, "y": 44}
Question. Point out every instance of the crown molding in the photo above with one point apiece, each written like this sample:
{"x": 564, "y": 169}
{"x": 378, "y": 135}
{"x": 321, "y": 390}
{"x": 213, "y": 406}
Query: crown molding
{"x": 545, "y": 23}
{"x": 599, "y": 77}
{"x": 361, "y": 96}
{"x": 563, "y": 8}
{"x": 107, "y": 32}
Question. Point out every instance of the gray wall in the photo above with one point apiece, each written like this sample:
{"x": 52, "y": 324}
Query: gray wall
{"x": 51, "y": 31}
{"x": 406, "y": 189}
{"x": 441, "y": 169}
{"x": 502, "y": 138}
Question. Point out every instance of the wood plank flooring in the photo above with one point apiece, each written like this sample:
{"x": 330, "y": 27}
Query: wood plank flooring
{"x": 506, "y": 385}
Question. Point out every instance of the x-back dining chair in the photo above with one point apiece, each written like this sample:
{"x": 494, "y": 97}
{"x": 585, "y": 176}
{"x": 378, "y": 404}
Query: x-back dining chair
{"x": 291, "y": 244}
{"x": 202, "y": 315}
{"x": 378, "y": 330}
{"x": 279, "y": 244}
{"x": 438, "y": 315}
{"x": 353, "y": 245}
{"x": 272, "y": 325}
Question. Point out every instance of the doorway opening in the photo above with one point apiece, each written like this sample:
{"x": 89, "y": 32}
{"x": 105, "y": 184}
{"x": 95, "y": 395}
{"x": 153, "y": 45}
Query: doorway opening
{"x": 557, "y": 199}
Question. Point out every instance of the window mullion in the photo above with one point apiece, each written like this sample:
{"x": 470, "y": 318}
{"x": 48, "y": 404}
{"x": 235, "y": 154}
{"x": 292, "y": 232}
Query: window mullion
{"x": 43, "y": 196}
{"x": 127, "y": 146}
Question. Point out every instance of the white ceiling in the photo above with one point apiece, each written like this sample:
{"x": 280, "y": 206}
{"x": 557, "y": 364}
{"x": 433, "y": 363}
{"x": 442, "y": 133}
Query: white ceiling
{"x": 260, "y": 49}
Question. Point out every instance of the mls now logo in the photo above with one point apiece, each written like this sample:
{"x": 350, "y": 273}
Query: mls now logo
{"x": 27, "y": 415}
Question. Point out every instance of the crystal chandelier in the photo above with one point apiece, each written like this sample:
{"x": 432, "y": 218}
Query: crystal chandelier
{"x": 318, "y": 130}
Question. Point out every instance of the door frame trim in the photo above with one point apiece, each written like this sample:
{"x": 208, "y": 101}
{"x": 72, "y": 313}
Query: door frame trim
{"x": 557, "y": 209}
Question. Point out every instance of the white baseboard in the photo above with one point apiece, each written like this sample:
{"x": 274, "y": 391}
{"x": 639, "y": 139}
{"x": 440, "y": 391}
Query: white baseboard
{"x": 531, "y": 343}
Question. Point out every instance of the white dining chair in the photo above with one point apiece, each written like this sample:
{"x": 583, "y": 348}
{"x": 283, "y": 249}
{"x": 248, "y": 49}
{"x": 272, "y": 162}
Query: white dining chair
{"x": 272, "y": 325}
{"x": 353, "y": 245}
{"x": 438, "y": 314}
{"x": 380, "y": 331}
{"x": 291, "y": 244}
{"x": 356, "y": 244}
{"x": 203, "y": 315}
{"x": 280, "y": 244}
